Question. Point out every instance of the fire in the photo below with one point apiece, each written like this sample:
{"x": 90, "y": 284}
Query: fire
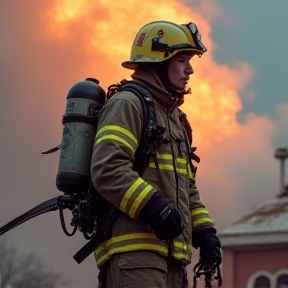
{"x": 109, "y": 29}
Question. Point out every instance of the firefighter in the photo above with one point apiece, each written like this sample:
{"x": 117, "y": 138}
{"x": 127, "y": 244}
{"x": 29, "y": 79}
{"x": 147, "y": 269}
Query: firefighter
{"x": 163, "y": 216}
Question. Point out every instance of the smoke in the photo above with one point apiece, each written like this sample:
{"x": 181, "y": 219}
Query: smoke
{"x": 107, "y": 30}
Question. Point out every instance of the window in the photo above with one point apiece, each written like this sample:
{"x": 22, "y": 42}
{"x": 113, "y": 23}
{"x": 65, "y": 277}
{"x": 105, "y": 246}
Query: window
{"x": 262, "y": 282}
{"x": 282, "y": 281}
{"x": 265, "y": 279}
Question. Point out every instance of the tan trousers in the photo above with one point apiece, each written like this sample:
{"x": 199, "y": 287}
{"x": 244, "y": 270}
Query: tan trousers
{"x": 145, "y": 269}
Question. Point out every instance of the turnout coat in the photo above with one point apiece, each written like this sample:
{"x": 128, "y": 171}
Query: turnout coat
{"x": 169, "y": 172}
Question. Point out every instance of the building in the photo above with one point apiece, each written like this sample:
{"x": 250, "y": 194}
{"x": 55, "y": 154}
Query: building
{"x": 255, "y": 248}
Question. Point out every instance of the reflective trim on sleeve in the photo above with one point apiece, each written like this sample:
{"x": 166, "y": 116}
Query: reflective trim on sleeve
{"x": 199, "y": 216}
{"x": 138, "y": 198}
{"x": 119, "y": 129}
{"x": 112, "y": 136}
{"x": 199, "y": 211}
{"x": 116, "y": 138}
{"x": 200, "y": 221}
{"x": 129, "y": 192}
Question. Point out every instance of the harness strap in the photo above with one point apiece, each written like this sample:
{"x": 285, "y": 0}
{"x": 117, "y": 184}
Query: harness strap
{"x": 142, "y": 154}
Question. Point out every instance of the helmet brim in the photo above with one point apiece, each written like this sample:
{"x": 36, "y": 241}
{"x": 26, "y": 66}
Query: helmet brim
{"x": 133, "y": 64}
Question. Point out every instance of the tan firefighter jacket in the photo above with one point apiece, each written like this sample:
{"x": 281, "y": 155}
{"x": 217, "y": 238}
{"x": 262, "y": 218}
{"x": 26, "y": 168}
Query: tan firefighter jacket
{"x": 169, "y": 172}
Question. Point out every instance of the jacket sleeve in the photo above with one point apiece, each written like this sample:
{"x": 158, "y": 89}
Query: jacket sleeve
{"x": 117, "y": 138}
{"x": 200, "y": 218}
{"x": 199, "y": 213}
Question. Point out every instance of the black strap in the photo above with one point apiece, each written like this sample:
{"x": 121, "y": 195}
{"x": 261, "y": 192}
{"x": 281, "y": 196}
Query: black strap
{"x": 100, "y": 236}
{"x": 88, "y": 248}
{"x": 142, "y": 154}
{"x": 102, "y": 276}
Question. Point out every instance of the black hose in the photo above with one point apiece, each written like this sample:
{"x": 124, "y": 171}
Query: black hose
{"x": 63, "y": 225}
{"x": 47, "y": 206}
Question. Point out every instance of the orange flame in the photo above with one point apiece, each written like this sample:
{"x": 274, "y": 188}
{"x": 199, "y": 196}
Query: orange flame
{"x": 108, "y": 28}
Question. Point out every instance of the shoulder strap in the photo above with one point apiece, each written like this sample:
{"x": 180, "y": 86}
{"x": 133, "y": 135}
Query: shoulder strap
{"x": 142, "y": 154}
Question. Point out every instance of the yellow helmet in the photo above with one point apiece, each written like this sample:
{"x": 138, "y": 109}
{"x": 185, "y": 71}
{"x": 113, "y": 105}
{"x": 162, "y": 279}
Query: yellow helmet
{"x": 160, "y": 40}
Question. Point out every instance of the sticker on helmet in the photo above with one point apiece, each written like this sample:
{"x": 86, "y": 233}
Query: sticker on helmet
{"x": 157, "y": 42}
{"x": 141, "y": 39}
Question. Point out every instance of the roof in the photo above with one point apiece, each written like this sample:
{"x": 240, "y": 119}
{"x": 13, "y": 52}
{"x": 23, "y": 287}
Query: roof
{"x": 267, "y": 224}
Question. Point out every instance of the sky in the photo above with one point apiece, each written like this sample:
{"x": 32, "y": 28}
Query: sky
{"x": 238, "y": 108}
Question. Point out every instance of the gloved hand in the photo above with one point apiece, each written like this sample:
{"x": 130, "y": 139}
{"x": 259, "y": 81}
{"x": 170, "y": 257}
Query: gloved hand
{"x": 210, "y": 246}
{"x": 162, "y": 218}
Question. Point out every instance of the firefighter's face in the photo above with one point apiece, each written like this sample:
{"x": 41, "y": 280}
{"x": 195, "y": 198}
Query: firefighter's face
{"x": 180, "y": 69}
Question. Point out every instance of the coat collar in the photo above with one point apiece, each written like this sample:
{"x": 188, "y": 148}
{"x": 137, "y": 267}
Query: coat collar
{"x": 149, "y": 79}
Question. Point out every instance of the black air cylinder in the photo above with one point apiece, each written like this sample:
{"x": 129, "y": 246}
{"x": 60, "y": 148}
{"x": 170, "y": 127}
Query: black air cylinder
{"x": 84, "y": 101}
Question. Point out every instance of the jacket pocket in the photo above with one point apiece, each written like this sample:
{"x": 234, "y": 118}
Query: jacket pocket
{"x": 142, "y": 269}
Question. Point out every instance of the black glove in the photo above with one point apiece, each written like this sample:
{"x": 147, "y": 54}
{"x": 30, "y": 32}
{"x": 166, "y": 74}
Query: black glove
{"x": 210, "y": 246}
{"x": 162, "y": 218}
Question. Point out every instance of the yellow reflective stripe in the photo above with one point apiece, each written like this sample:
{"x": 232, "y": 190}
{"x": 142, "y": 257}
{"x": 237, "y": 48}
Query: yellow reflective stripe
{"x": 166, "y": 167}
{"x": 132, "y": 247}
{"x": 116, "y": 138}
{"x": 182, "y": 160}
{"x": 119, "y": 129}
{"x": 202, "y": 220}
{"x": 199, "y": 211}
{"x": 187, "y": 248}
{"x": 112, "y": 136}
{"x": 142, "y": 246}
{"x": 191, "y": 175}
{"x": 129, "y": 192}
{"x": 138, "y": 200}
{"x": 125, "y": 238}
{"x": 164, "y": 156}
{"x": 169, "y": 168}
{"x": 179, "y": 255}
{"x": 186, "y": 254}
{"x": 182, "y": 171}
{"x": 182, "y": 245}
{"x": 169, "y": 157}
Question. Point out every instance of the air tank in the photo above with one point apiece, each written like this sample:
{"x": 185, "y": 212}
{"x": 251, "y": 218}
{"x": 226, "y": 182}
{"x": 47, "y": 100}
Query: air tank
{"x": 84, "y": 101}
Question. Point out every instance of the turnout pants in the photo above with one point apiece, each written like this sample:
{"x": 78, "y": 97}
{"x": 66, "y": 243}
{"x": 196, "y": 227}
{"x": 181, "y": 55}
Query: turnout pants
{"x": 144, "y": 269}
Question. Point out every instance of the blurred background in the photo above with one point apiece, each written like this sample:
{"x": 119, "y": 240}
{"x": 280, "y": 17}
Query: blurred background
{"x": 238, "y": 109}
